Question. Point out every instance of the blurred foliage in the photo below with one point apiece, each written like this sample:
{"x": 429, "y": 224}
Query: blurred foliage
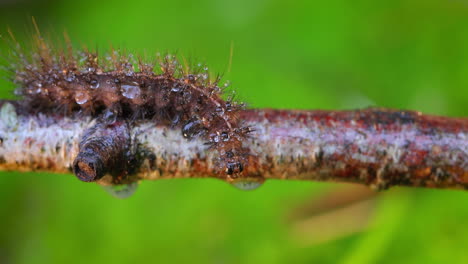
{"x": 286, "y": 54}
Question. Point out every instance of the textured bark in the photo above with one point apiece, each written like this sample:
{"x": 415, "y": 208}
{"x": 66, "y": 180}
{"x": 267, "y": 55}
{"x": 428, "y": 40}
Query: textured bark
{"x": 376, "y": 147}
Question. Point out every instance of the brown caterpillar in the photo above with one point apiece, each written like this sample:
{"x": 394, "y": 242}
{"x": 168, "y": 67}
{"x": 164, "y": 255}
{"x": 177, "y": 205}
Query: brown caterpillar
{"x": 65, "y": 81}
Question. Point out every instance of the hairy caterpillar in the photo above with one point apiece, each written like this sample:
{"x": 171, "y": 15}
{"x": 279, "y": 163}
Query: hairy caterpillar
{"x": 65, "y": 81}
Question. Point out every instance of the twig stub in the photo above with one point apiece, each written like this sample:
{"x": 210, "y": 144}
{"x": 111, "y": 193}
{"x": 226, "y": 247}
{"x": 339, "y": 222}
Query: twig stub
{"x": 104, "y": 148}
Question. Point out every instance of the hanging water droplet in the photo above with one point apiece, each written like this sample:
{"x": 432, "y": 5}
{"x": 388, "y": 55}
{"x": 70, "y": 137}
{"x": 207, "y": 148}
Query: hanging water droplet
{"x": 94, "y": 84}
{"x": 130, "y": 91}
{"x": 81, "y": 97}
{"x": 247, "y": 184}
{"x": 122, "y": 191}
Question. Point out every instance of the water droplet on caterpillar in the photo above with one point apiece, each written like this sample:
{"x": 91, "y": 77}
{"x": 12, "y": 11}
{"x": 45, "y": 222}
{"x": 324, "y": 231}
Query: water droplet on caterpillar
{"x": 187, "y": 95}
{"x": 37, "y": 89}
{"x": 247, "y": 184}
{"x": 70, "y": 77}
{"x": 128, "y": 69}
{"x": 81, "y": 97}
{"x": 215, "y": 139}
{"x": 110, "y": 116}
{"x": 225, "y": 136}
{"x": 130, "y": 91}
{"x": 219, "y": 110}
{"x": 176, "y": 88}
{"x": 191, "y": 128}
{"x": 203, "y": 76}
{"x": 121, "y": 191}
{"x": 94, "y": 84}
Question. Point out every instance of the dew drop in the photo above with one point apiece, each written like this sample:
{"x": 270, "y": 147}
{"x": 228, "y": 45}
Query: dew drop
{"x": 122, "y": 191}
{"x": 187, "y": 95}
{"x": 110, "y": 116}
{"x": 203, "y": 76}
{"x": 219, "y": 110}
{"x": 18, "y": 92}
{"x": 247, "y": 184}
{"x": 176, "y": 88}
{"x": 225, "y": 136}
{"x": 191, "y": 78}
{"x": 37, "y": 88}
{"x": 81, "y": 97}
{"x": 130, "y": 91}
{"x": 191, "y": 128}
{"x": 128, "y": 69}
{"x": 70, "y": 77}
{"x": 215, "y": 139}
{"x": 94, "y": 84}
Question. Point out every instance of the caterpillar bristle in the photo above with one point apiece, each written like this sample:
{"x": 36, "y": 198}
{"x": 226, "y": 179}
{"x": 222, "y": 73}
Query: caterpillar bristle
{"x": 167, "y": 90}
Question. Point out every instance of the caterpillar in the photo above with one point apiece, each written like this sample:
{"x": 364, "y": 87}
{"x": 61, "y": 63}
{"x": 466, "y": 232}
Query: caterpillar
{"x": 69, "y": 81}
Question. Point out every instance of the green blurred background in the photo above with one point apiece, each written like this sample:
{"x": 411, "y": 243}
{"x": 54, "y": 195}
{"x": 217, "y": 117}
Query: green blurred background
{"x": 286, "y": 54}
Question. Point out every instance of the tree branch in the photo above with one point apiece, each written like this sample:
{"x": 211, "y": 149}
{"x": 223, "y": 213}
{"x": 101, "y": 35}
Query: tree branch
{"x": 377, "y": 147}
